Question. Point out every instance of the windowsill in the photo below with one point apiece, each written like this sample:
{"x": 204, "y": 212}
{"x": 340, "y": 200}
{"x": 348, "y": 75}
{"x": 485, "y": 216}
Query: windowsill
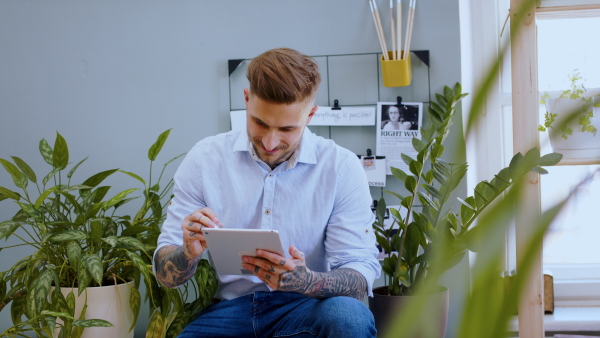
{"x": 569, "y": 319}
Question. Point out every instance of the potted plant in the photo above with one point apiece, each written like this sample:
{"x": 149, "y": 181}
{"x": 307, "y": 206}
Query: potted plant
{"x": 81, "y": 244}
{"x": 431, "y": 219}
{"x": 572, "y": 120}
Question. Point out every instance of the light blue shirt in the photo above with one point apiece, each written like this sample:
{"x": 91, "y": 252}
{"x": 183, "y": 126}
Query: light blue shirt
{"x": 319, "y": 201}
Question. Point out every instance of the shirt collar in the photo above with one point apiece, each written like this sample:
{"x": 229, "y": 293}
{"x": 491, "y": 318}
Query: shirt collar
{"x": 306, "y": 153}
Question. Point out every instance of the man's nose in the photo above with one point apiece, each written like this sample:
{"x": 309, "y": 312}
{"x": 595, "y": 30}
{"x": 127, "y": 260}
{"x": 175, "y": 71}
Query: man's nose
{"x": 270, "y": 141}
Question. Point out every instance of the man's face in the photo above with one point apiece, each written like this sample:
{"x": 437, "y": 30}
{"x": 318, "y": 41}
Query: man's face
{"x": 275, "y": 129}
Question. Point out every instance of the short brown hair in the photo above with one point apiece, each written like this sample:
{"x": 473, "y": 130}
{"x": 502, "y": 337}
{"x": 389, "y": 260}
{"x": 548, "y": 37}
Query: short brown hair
{"x": 283, "y": 75}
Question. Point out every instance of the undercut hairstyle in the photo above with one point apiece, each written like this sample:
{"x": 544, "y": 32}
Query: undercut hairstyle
{"x": 284, "y": 75}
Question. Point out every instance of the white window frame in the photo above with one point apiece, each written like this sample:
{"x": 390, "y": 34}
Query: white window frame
{"x": 481, "y": 24}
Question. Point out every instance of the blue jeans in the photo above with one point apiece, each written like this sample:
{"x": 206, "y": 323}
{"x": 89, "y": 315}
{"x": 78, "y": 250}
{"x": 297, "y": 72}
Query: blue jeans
{"x": 283, "y": 314}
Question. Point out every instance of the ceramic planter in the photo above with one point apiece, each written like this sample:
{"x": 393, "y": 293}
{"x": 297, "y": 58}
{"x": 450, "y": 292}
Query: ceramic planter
{"x": 386, "y": 309}
{"x": 581, "y": 147}
{"x": 110, "y": 303}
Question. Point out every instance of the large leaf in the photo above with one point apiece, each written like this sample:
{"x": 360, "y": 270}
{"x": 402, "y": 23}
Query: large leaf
{"x": 46, "y": 151}
{"x": 134, "y": 176}
{"x": 135, "y": 300}
{"x": 60, "y": 154}
{"x": 73, "y": 253}
{"x": 37, "y": 296}
{"x": 157, "y": 146}
{"x": 18, "y": 177}
{"x": 550, "y": 159}
{"x": 92, "y": 323}
{"x": 7, "y": 228}
{"x": 117, "y": 198}
{"x": 10, "y": 194}
{"x": 83, "y": 276}
{"x": 94, "y": 267}
{"x": 72, "y": 171}
{"x": 68, "y": 235}
{"x": 25, "y": 168}
{"x": 96, "y": 179}
{"x": 156, "y": 326}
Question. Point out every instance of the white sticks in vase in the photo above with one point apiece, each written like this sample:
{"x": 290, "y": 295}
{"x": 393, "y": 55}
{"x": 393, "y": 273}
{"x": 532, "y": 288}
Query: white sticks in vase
{"x": 395, "y": 29}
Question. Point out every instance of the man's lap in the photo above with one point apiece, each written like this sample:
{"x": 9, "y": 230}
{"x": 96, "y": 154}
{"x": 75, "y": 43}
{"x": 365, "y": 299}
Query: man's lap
{"x": 283, "y": 314}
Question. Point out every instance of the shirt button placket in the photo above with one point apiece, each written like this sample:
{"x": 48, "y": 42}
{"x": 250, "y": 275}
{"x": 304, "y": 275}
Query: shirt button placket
{"x": 269, "y": 195}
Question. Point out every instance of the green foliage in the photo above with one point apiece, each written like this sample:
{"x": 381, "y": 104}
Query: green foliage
{"x": 81, "y": 241}
{"x": 433, "y": 219}
{"x": 582, "y": 115}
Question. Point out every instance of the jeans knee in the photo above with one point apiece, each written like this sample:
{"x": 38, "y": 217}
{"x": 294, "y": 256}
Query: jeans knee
{"x": 347, "y": 314}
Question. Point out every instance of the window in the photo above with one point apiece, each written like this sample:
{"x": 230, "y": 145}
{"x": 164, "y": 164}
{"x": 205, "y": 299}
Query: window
{"x": 571, "y": 251}
{"x": 565, "y": 43}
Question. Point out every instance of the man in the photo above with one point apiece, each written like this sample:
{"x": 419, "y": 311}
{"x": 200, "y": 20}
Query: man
{"x": 277, "y": 176}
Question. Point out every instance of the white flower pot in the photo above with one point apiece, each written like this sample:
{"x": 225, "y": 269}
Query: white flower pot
{"x": 581, "y": 147}
{"x": 110, "y": 303}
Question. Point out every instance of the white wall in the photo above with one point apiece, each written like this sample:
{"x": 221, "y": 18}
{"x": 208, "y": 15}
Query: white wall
{"x": 111, "y": 75}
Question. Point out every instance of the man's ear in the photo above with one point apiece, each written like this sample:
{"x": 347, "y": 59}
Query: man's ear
{"x": 246, "y": 96}
{"x": 311, "y": 114}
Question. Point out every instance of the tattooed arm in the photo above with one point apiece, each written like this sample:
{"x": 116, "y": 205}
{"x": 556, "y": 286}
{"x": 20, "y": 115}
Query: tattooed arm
{"x": 175, "y": 264}
{"x": 173, "y": 267}
{"x": 292, "y": 275}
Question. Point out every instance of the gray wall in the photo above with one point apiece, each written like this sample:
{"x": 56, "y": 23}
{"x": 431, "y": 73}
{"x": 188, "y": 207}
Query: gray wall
{"x": 111, "y": 75}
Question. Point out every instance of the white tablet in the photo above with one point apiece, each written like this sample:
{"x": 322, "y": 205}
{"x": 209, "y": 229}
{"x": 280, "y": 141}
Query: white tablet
{"x": 227, "y": 246}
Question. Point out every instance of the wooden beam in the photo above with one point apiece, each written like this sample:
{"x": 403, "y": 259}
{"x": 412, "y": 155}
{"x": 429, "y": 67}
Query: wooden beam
{"x": 525, "y": 105}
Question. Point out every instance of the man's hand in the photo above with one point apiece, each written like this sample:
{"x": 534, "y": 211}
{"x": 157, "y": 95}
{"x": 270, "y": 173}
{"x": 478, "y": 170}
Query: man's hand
{"x": 175, "y": 265}
{"x": 194, "y": 242}
{"x": 292, "y": 275}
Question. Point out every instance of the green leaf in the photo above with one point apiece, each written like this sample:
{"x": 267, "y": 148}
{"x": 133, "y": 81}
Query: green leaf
{"x": 407, "y": 159}
{"x": 130, "y": 242}
{"x": 56, "y": 314}
{"x": 134, "y": 176}
{"x": 135, "y": 301}
{"x": 157, "y": 146}
{"x": 550, "y": 159}
{"x": 98, "y": 178}
{"x": 515, "y": 165}
{"x": 46, "y": 151}
{"x": 415, "y": 168}
{"x": 60, "y": 155}
{"x": 92, "y": 323}
{"x": 156, "y": 326}
{"x": 10, "y": 194}
{"x": 25, "y": 168}
{"x": 399, "y": 174}
{"x": 117, "y": 198}
{"x": 140, "y": 264}
{"x": 94, "y": 266}
{"x": 539, "y": 170}
{"x": 7, "y": 228}
{"x": 37, "y": 297}
{"x": 97, "y": 230}
{"x": 43, "y": 196}
{"x": 50, "y": 175}
{"x": 417, "y": 144}
{"x": 432, "y": 191}
{"x": 18, "y": 177}
{"x": 410, "y": 183}
{"x": 83, "y": 276}
{"x": 72, "y": 171}
{"x": 68, "y": 235}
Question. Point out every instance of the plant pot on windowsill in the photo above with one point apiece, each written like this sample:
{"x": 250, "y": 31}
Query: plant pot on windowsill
{"x": 572, "y": 120}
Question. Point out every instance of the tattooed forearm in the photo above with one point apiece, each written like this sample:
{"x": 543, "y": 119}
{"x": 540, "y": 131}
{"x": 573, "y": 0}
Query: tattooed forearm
{"x": 339, "y": 282}
{"x": 173, "y": 267}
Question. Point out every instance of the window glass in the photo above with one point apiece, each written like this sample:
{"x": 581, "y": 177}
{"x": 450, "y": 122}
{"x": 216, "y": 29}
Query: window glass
{"x": 566, "y": 46}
